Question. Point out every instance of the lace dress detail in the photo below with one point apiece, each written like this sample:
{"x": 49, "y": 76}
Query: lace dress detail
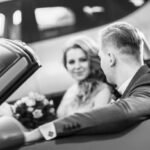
{"x": 86, "y": 90}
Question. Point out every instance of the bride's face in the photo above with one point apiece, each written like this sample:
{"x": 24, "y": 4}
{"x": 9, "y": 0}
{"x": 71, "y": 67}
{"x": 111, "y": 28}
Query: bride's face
{"x": 77, "y": 64}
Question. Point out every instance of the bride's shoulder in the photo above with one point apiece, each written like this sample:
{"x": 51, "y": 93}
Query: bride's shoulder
{"x": 103, "y": 85}
{"x": 72, "y": 90}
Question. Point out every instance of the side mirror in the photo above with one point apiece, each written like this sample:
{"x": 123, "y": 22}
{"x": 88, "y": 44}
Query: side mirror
{"x": 17, "y": 63}
{"x": 11, "y": 135}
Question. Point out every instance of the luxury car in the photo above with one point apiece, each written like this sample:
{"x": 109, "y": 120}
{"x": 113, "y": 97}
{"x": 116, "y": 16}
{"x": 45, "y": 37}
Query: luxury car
{"x": 47, "y": 40}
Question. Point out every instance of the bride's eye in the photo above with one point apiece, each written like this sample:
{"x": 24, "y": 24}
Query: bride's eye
{"x": 71, "y": 62}
{"x": 83, "y": 59}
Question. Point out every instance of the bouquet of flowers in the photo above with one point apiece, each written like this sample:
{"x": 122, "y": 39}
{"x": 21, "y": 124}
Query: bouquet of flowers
{"x": 34, "y": 110}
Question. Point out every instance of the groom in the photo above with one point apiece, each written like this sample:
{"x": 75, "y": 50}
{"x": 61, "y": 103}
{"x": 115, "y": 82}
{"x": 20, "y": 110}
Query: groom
{"x": 121, "y": 49}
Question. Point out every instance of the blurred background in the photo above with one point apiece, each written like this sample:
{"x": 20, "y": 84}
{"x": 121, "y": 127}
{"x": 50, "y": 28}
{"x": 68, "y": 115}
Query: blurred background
{"x": 45, "y": 25}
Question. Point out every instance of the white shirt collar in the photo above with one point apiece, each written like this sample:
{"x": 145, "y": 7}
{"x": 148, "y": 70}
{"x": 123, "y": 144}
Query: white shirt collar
{"x": 123, "y": 87}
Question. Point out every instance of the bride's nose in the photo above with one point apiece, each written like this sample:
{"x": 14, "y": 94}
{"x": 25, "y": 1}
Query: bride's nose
{"x": 77, "y": 65}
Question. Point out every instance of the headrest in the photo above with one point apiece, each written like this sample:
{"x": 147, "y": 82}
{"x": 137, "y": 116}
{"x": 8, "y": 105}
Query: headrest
{"x": 17, "y": 63}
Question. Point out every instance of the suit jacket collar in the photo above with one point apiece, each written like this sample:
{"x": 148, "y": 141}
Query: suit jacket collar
{"x": 144, "y": 69}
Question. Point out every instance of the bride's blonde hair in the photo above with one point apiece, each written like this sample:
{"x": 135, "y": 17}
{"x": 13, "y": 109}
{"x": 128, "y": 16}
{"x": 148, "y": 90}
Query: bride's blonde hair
{"x": 96, "y": 75}
{"x": 90, "y": 48}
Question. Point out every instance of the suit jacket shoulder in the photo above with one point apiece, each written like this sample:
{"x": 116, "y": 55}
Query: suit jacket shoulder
{"x": 141, "y": 78}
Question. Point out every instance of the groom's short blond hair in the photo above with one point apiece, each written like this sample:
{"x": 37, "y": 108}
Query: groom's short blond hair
{"x": 125, "y": 37}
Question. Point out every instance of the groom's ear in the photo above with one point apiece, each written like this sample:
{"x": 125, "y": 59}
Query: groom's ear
{"x": 112, "y": 59}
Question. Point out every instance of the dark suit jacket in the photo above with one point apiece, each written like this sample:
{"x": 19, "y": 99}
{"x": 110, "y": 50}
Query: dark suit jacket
{"x": 133, "y": 107}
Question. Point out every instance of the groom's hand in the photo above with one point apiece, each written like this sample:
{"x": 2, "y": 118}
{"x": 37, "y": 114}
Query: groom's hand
{"x": 32, "y": 136}
{"x": 6, "y": 110}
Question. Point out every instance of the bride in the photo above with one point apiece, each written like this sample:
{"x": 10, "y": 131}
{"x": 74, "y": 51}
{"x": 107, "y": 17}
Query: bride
{"x": 90, "y": 90}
